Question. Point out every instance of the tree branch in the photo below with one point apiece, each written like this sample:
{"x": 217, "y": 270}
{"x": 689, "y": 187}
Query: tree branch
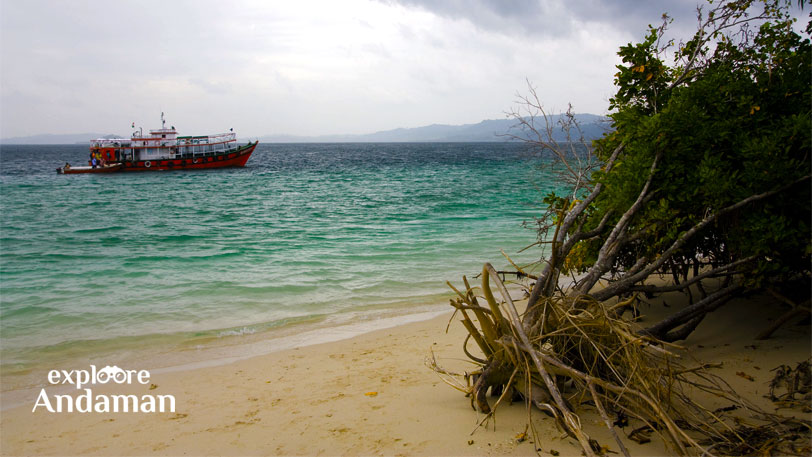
{"x": 612, "y": 244}
{"x": 700, "y": 308}
{"x": 684, "y": 331}
{"x": 513, "y": 316}
{"x": 722, "y": 18}
{"x": 623, "y": 284}
{"x": 648, "y": 288}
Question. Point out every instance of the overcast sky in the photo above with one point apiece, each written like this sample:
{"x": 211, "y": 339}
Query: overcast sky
{"x": 306, "y": 67}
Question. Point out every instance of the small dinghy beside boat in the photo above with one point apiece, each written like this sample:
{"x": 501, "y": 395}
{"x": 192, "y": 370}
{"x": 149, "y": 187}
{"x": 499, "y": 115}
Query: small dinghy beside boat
{"x": 69, "y": 170}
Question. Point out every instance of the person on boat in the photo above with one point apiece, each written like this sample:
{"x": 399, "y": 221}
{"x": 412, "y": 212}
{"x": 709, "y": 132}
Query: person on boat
{"x": 93, "y": 162}
{"x": 67, "y": 166}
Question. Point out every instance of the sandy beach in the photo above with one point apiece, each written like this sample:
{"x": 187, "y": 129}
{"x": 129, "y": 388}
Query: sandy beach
{"x": 369, "y": 395}
{"x": 246, "y": 228}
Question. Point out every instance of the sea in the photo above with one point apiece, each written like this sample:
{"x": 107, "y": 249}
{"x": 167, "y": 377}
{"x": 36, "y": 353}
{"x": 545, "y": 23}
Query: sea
{"x": 306, "y": 243}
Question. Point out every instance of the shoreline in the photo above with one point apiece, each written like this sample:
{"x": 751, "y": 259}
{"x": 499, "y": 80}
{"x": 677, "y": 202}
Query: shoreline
{"x": 221, "y": 350}
{"x": 327, "y": 398}
{"x": 161, "y": 353}
{"x": 25, "y": 369}
{"x": 371, "y": 394}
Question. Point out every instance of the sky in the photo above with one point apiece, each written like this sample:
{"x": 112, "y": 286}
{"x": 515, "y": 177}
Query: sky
{"x": 307, "y": 67}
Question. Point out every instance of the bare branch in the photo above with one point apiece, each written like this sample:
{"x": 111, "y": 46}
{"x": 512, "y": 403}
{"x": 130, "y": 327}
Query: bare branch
{"x": 648, "y": 288}
{"x": 719, "y": 19}
{"x": 700, "y": 308}
{"x": 613, "y": 243}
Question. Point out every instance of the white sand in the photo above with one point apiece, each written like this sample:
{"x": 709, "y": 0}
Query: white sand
{"x": 317, "y": 400}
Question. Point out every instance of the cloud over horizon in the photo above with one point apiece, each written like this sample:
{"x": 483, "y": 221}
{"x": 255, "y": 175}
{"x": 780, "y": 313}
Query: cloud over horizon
{"x": 305, "y": 68}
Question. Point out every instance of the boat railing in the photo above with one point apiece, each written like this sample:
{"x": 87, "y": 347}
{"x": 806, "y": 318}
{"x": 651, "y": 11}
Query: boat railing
{"x": 110, "y": 143}
{"x": 196, "y": 146}
{"x": 206, "y": 139}
{"x": 181, "y": 147}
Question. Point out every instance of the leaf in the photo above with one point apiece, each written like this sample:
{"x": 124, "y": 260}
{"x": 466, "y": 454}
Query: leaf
{"x": 371, "y": 394}
{"x": 725, "y": 409}
{"x": 641, "y": 435}
{"x": 745, "y": 376}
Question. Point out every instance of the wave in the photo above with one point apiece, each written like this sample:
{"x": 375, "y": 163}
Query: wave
{"x": 178, "y": 258}
{"x": 26, "y": 311}
{"x": 111, "y": 228}
{"x": 239, "y": 332}
{"x": 304, "y": 230}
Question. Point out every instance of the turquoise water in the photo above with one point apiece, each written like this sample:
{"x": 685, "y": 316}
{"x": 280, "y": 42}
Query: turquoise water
{"x": 303, "y": 234}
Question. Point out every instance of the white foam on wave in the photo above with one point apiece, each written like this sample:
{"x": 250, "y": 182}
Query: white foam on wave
{"x": 238, "y": 332}
{"x": 307, "y": 338}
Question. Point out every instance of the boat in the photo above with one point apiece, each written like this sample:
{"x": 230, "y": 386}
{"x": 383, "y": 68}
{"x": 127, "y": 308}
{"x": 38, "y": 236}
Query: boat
{"x": 163, "y": 149}
{"x": 107, "y": 168}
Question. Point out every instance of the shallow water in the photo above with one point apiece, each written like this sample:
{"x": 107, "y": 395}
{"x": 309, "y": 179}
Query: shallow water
{"x": 305, "y": 234}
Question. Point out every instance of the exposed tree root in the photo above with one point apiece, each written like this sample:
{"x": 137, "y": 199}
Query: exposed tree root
{"x": 582, "y": 352}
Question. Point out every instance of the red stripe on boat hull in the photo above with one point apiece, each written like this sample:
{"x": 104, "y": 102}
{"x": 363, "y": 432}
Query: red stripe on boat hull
{"x": 81, "y": 170}
{"x": 236, "y": 158}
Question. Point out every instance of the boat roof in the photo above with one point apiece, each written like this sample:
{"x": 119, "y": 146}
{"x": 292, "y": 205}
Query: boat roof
{"x": 146, "y": 138}
{"x": 206, "y": 136}
{"x": 112, "y": 139}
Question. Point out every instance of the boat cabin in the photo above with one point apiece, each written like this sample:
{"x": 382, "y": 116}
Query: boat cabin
{"x": 163, "y": 144}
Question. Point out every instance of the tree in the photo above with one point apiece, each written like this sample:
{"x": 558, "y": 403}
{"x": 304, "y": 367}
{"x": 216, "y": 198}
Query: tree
{"x": 705, "y": 176}
{"x": 708, "y": 165}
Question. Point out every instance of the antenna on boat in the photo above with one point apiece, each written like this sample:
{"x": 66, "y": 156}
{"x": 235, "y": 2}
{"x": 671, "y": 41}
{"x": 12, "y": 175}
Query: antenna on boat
{"x": 137, "y": 133}
{"x": 163, "y": 122}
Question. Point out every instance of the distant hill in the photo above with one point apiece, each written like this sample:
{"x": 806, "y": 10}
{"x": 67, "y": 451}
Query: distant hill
{"x": 71, "y": 138}
{"x": 593, "y": 127}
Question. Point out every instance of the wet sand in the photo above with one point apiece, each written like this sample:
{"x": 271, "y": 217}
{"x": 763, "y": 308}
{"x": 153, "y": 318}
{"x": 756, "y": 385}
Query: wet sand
{"x": 369, "y": 395}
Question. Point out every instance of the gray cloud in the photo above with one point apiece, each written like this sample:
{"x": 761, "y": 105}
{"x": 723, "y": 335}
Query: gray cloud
{"x": 559, "y": 17}
{"x": 306, "y": 67}
{"x": 563, "y": 18}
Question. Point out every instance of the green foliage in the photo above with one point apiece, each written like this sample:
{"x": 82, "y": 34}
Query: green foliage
{"x": 735, "y": 124}
{"x": 642, "y": 77}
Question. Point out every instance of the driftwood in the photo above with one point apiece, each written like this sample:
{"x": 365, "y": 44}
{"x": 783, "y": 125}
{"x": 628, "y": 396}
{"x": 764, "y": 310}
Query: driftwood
{"x": 582, "y": 352}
